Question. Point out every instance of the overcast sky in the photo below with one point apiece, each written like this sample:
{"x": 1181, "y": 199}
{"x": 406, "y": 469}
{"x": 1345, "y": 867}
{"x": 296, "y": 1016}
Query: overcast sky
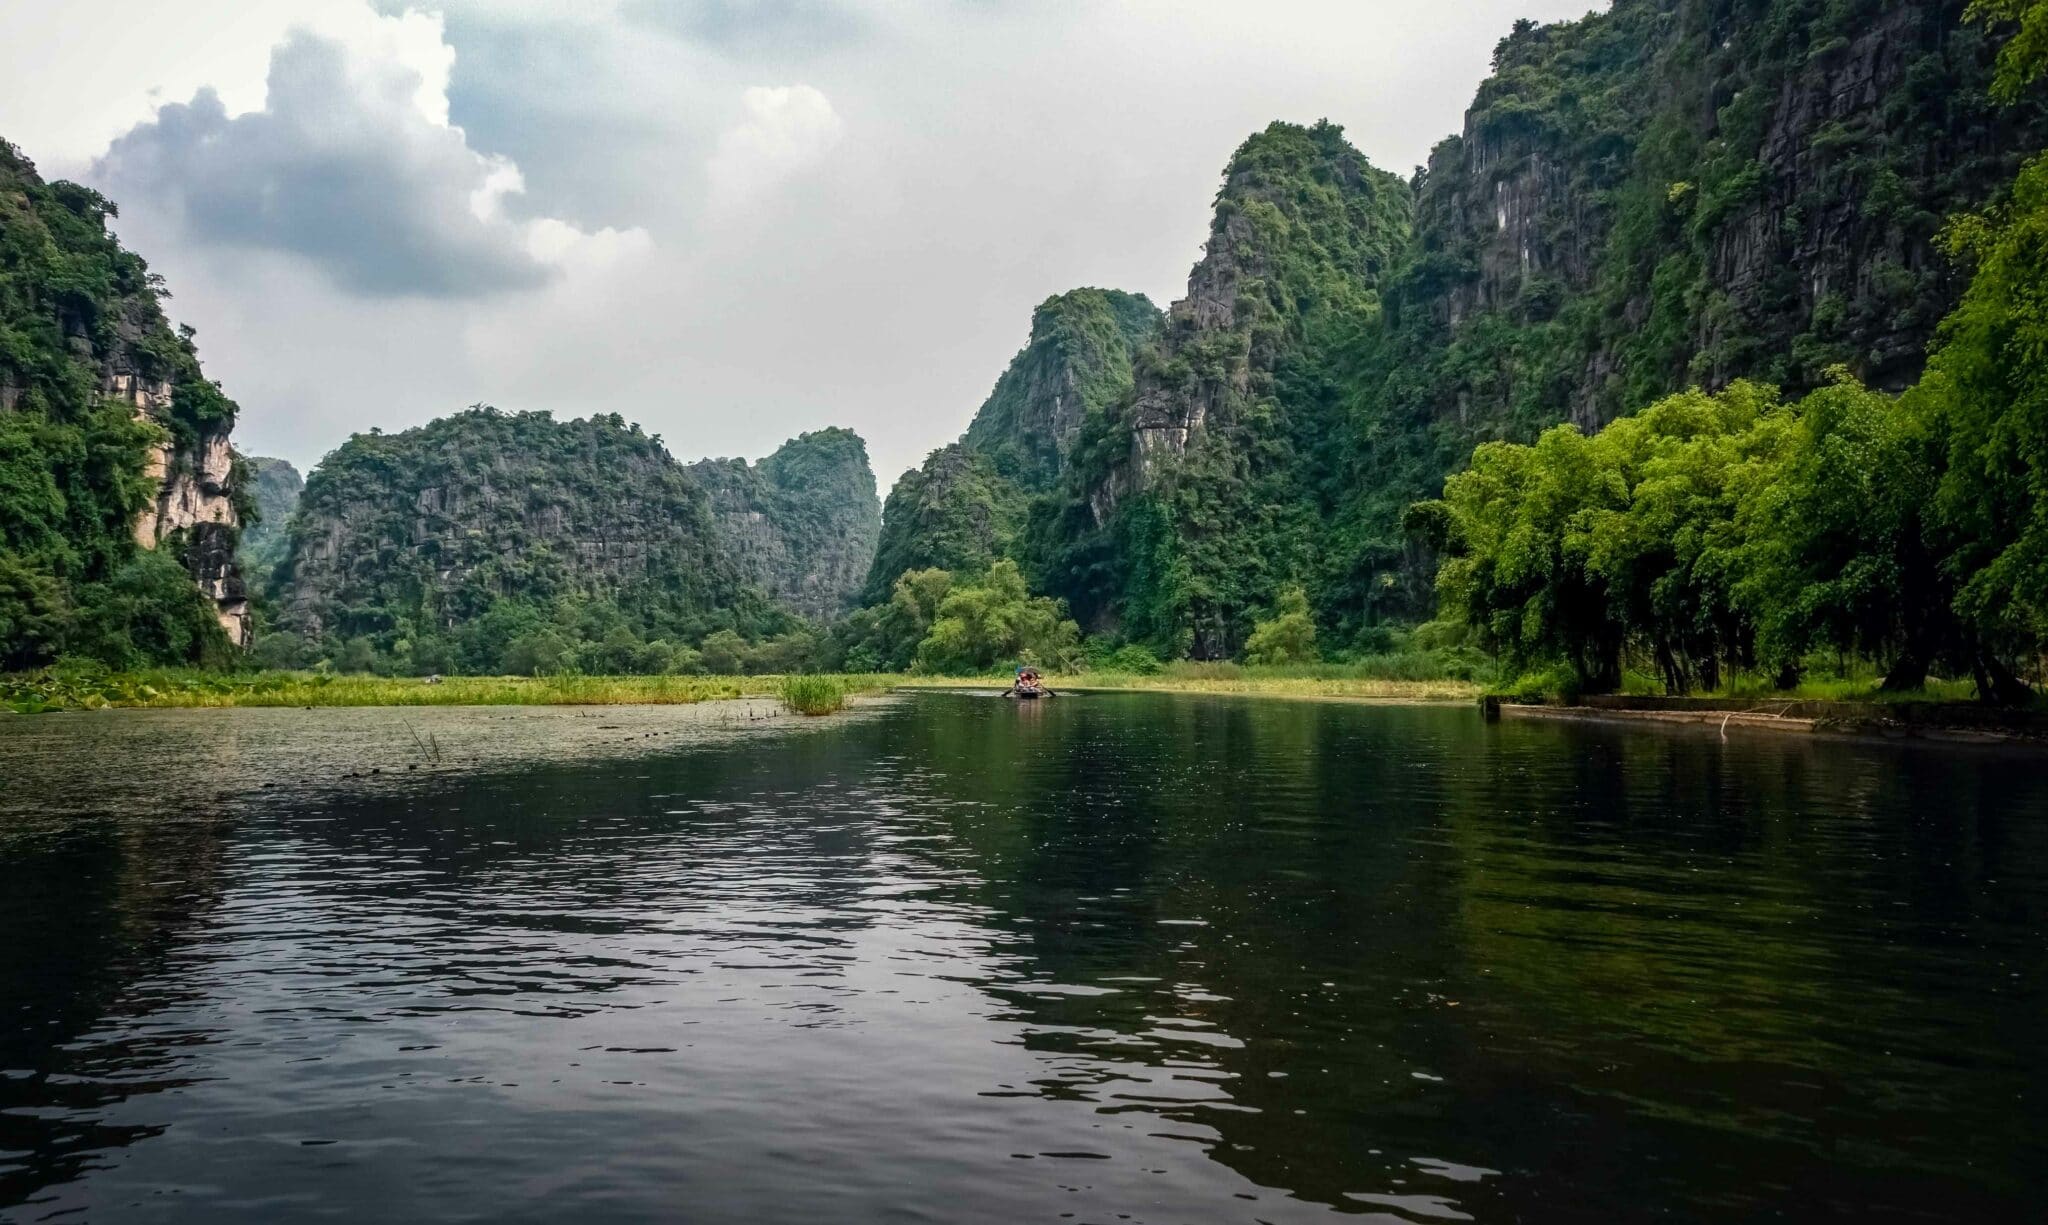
{"x": 730, "y": 220}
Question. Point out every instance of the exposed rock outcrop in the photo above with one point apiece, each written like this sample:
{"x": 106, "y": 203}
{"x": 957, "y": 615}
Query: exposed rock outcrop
{"x": 194, "y": 508}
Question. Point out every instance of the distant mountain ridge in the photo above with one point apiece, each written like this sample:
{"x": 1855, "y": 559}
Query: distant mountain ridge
{"x": 274, "y": 488}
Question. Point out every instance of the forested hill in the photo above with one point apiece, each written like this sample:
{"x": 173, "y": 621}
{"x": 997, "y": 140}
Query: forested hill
{"x": 1212, "y": 485}
{"x": 120, "y": 497}
{"x": 966, "y": 505}
{"x": 274, "y": 487}
{"x": 1672, "y": 193}
{"x": 491, "y": 541}
{"x": 801, "y": 524}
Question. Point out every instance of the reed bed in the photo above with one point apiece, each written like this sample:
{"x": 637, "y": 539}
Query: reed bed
{"x": 33, "y": 693}
{"x": 813, "y": 695}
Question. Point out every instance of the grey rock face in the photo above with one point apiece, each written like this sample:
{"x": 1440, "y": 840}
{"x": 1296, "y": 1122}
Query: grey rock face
{"x": 194, "y": 508}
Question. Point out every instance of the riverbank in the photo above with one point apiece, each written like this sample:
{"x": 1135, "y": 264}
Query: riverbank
{"x": 38, "y": 692}
{"x": 35, "y": 693}
{"x": 1234, "y": 681}
{"x": 1898, "y": 719}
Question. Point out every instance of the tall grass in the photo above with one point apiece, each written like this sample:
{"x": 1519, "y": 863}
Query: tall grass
{"x": 813, "y": 695}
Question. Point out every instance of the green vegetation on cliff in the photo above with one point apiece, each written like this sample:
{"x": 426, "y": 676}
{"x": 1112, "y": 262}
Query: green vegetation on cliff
{"x": 507, "y": 542}
{"x": 1665, "y": 195}
{"x": 490, "y": 542}
{"x": 966, "y": 506}
{"x": 83, "y": 343}
{"x": 1669, "y": 195}
{"x": 1213, "y": 486}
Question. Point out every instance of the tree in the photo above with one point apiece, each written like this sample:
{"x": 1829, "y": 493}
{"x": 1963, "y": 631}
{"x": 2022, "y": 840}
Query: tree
{"x": 994, "y": 620}
{"x": 722, "y": 653}
{"x": 1986, "y": 389}
{"x": 357, "y": 655}
{"x": 885, "y": 637}
{"x": 540, "y": 652}
{"x": 1836, "y": 551}
{"x": 1289, "y": 637}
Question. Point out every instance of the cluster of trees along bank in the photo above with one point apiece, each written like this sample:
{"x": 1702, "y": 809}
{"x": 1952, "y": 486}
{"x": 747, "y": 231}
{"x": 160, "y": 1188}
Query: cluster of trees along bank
{"x": 1345, "y": 441}
{"x": 1738, "y": 530}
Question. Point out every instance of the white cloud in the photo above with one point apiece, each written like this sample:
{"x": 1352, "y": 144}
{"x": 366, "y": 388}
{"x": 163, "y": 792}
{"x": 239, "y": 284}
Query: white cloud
{"x": 787, "y": 129}
{"x": 351, "y": 164}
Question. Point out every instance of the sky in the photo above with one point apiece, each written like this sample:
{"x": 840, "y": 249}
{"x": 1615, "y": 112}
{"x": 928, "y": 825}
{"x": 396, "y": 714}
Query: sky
{"x": 729, "y": 220}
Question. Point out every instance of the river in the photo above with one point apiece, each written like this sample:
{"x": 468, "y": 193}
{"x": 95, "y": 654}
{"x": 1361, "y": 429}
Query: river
{"x": 1140, "y": 958}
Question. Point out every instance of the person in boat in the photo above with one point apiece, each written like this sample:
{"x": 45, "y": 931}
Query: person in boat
{"x": 1028, "y": 685}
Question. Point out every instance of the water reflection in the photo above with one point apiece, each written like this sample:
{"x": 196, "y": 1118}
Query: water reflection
{"x": 1142, "y": 957}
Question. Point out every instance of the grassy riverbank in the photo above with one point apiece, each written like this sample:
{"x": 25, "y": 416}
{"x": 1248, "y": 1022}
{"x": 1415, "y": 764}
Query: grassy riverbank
{"x": 53, "y": 690}
{"x": 34, "y": 692}
{"x": 1356, "y": 681}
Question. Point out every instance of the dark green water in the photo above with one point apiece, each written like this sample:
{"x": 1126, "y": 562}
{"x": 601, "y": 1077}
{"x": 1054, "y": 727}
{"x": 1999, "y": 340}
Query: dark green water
{"x": 1134, "y": 958}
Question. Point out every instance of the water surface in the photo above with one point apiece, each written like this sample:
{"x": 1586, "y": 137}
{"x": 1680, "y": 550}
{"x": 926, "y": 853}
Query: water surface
{"x": 1108, "y": 958}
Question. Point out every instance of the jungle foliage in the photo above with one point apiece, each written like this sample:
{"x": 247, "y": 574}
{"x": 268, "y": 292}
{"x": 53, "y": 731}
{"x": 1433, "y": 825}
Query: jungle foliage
{"x": 939, "y": 622}
{"x": 75, "y": 309}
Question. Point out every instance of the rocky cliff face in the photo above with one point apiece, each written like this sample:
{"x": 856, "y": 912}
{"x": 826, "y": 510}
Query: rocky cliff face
{"x": 1693, "y": 191}
{"x": 117, "y": 439}
{"x": 1076, "y": 362}
{"x": 966, "y": 505}
{"x": 1671, "y": 193}
{"x": 194, "y": 509}
{"x": 802, "y": 523}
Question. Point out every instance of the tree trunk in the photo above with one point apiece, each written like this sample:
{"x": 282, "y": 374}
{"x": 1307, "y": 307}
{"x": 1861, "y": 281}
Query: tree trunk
{"x": 1996, "y": 683}
{"x": 1909, "y": 671}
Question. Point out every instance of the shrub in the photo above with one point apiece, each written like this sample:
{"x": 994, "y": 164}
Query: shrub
{"x": 1132, "y": 658}
{"x": 1289, "y": 637}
